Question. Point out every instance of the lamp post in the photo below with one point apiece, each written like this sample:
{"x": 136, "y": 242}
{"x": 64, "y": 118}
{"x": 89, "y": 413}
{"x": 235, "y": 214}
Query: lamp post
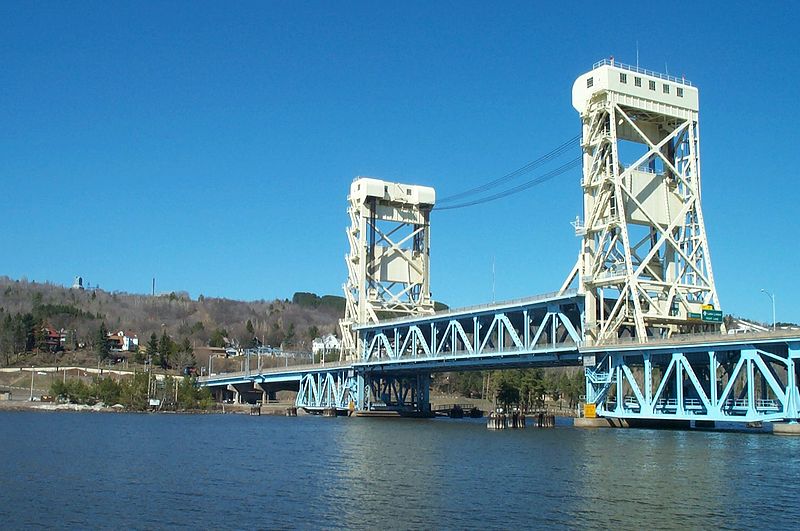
{"x": 772, "y": 298}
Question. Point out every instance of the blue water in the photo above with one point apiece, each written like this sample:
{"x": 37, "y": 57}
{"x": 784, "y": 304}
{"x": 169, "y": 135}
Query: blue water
{"x": 82, "y": 470}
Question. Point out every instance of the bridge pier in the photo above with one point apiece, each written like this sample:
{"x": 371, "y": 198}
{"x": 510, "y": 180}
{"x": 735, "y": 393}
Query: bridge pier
{"x": 232, "y": 388}
{"x": 406, "y": 393}
{"x": 244, "y": 392}
{"x": 266, "y": 394}
{"x": 599, "y": 422}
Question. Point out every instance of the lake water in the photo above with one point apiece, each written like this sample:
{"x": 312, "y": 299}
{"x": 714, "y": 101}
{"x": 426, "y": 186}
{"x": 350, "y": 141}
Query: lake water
{"x": 79, "y": 470}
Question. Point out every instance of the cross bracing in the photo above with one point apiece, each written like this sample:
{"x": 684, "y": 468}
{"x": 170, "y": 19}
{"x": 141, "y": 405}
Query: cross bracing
{"x": 717, "y": 381}
{"x": 536, "y": 325}
{"x": 644, "y": 264}
{"x": 335, "y": 389}
{"x": 389, "y": 260}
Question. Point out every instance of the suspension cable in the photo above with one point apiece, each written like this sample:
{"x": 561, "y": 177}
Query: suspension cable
{"x": 574, "y": 163}
{"x": 529, "y": 167}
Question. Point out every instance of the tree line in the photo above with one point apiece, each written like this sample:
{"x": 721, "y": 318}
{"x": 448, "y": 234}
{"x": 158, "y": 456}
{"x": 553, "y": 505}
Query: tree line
{"x": 525, "y": 388}
{"x": 27, "y": 307}
{"x": 134, "y": 393}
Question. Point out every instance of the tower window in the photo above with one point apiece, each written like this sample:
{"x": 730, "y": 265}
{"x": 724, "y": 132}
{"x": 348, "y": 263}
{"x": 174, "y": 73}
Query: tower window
{"x": 589, "y": 82}
{"x": 637, "y": 81}
{"x": 623, "y": 78}
{"x": 652, "y": 85}
{"x": 666, "y": 88}
{"x": 679, "y": 92}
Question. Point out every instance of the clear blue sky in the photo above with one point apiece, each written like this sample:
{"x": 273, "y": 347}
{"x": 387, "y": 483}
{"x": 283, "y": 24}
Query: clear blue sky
{"x": 212, "y": 144}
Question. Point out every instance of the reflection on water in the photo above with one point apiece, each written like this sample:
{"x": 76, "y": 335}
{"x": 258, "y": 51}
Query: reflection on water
{"x": 146, "y": 471}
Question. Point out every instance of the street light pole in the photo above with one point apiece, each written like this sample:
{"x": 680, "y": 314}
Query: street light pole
{"x": 772, "y": 298}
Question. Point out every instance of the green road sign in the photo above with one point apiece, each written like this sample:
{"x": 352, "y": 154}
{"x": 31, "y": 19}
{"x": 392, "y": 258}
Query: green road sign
{"x": 693, "y": 315}
{"x": 712, "y": 316}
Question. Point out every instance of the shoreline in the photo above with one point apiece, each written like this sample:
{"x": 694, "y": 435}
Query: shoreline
{"x": 25, "y": 405}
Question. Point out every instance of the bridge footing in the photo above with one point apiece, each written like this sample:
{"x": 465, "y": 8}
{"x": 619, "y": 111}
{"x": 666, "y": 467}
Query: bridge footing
{"x": 705, "y": 424}
{"x": 780, "y": 428}
{"x": 599, "y": 422}
{"x": 658, "y": 424}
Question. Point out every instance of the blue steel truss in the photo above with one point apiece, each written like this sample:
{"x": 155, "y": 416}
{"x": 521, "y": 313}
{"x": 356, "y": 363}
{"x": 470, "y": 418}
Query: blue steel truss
{"x": 340, "y": 389}
{"x": 504, "y": 334}
{"x": 724, "y": 379}
{"x": 744, "y": 378}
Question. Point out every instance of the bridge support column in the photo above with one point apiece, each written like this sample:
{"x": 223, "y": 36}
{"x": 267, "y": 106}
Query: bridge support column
{"x": 360, "y": 392}
{"x": 266, "y": 394}
{"x": 235, "y": 393}
{"x": 792, "y": 392}
{"x": 424, "y": 393}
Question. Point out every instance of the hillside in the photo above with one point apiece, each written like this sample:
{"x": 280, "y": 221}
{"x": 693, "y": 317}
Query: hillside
{"x": 27, "y": 306}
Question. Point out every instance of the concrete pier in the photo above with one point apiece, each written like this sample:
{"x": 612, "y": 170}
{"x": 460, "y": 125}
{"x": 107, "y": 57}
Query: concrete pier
{"x": 781, "y": 428}
{"x": 599, "y": 422}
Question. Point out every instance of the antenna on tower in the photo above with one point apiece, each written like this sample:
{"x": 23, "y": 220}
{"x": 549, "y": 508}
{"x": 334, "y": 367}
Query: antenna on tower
{"x": 637, "y": 54}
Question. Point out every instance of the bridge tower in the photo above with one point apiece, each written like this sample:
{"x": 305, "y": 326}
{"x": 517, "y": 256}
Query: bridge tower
{"x": 389, "y": 259}
{"x": 644, "y": 264}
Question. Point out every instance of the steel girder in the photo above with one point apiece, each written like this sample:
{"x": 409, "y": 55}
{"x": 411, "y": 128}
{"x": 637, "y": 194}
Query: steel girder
{"x": 546, "y": 325}
{"x": 742, "y": 384}
{"x": 337, "y": 389}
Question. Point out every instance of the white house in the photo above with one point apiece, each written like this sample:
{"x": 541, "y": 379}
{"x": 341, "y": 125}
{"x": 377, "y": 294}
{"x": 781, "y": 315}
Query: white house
{"x": 125, "y": 341}
{"x": 325, "y": 344}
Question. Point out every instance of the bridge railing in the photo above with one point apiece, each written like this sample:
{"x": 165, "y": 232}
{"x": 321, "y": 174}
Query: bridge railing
{"x": 275, "y": 370}
{"x": 473, "y": 309}
{"x": 698, "y": 338}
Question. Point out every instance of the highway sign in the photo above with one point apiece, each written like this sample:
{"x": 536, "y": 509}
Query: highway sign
{"x": 712, "y": 316}
{"x": 693, "y": 315}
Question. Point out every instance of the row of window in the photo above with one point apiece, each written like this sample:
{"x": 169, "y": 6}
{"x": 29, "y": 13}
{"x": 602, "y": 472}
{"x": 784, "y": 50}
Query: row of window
{"x": 637, "y": 81}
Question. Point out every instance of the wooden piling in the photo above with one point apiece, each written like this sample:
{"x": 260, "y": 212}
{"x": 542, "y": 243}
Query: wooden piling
{"x": 497, "y": 421}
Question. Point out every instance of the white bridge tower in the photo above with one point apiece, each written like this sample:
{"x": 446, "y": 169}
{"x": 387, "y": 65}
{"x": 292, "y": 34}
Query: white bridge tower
{"x": 644, "y": 264}
{"x": 389, "y": 260}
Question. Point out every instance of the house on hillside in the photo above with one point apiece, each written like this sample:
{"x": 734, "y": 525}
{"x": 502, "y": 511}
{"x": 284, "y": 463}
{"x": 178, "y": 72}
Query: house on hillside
{"x": 325, "y": 344}
{"x": 53, "y": 338}
{"x": 123, "y": 341}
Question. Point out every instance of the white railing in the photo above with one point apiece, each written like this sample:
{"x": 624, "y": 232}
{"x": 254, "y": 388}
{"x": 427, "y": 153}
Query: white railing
{"x": 639, "y": 70}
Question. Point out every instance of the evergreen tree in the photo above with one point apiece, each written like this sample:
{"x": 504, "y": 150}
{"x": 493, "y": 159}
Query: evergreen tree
{"x": 167, "y": 349}
{"x": 101, "y": 347}
{"x": 152, "y": 350}
{"x": 218, "y": 338}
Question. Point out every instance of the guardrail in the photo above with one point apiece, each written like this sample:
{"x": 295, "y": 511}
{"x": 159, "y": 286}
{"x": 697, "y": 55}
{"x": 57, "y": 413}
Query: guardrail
{"x": 679, "y": 339}
{"x": 275, "y": 370}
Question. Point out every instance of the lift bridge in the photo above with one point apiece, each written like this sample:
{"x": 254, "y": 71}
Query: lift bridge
{"x": 639, "y": 311}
